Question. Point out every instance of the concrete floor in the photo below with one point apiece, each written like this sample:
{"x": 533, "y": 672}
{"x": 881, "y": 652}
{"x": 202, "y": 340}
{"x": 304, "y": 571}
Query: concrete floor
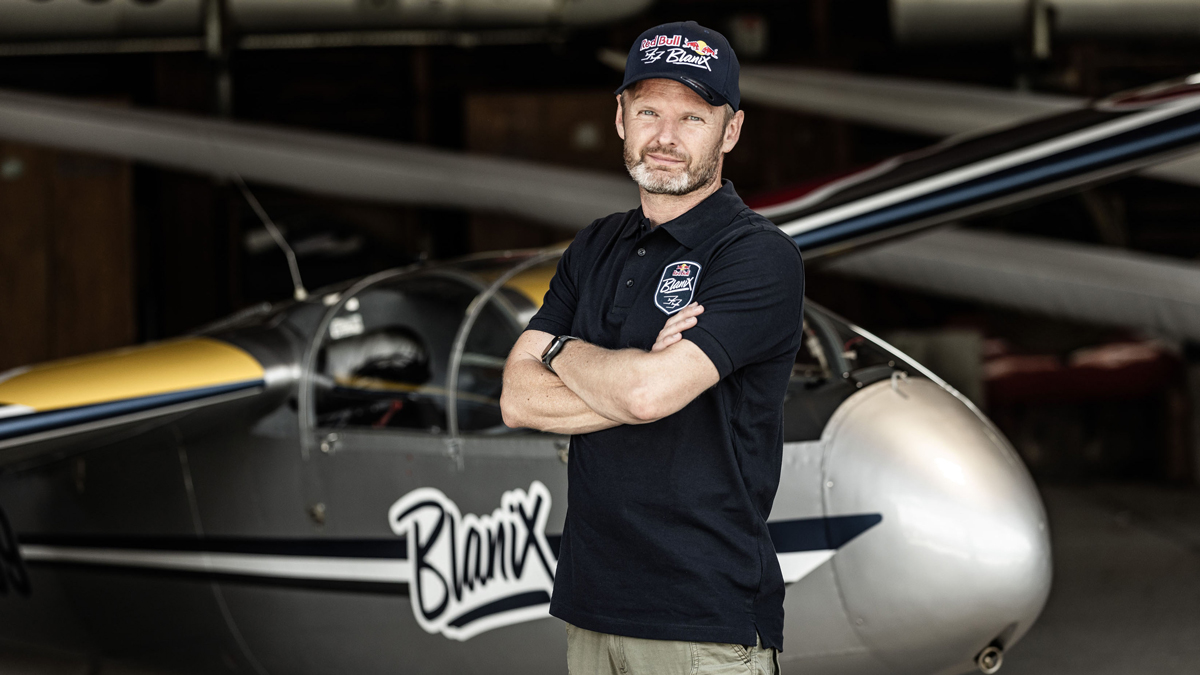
{"x": 43, "y": 663}
{"x": 1126, "y": 596}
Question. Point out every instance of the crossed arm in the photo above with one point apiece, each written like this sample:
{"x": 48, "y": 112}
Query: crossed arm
{"x": 599, "y": 388}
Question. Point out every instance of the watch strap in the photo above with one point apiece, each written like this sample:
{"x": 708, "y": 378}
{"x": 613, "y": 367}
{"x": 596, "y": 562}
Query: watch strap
{"x": 553, "y": 349}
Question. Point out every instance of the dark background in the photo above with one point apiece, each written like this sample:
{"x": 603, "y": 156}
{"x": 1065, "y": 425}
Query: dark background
{"x": 97, "y": 253}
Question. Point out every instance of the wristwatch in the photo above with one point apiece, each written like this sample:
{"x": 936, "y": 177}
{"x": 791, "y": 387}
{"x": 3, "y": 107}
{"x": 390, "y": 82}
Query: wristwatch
{"x": 553, "y": 349}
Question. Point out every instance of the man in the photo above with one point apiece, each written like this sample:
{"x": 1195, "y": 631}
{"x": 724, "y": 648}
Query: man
{"x": 664, "y": 347}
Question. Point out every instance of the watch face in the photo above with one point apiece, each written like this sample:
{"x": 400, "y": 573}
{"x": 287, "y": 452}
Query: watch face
{"x": 549, "y": 347}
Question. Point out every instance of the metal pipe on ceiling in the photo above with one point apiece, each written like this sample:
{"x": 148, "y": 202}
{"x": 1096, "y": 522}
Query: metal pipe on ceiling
{"x": 319, "y": 162}
{"x": 924, "y": 21}
{"x": 1084, "y": 282}
{"x": 77, "y": 19}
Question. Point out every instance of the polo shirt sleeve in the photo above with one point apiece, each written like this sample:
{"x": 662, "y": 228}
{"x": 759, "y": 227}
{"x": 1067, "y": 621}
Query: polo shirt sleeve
{"x": 557, "y": 314}
{"x": 753, "y": 298}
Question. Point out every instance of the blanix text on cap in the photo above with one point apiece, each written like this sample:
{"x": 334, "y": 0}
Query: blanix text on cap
{"x": 686, "y": 52}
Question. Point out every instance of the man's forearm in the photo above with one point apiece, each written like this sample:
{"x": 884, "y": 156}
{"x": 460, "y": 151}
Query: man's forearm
{"x": 598, "y": 388}
{"x": 611, "y": 382}
{"x": 633, "y": 386}
{"x": 535, "y": 398}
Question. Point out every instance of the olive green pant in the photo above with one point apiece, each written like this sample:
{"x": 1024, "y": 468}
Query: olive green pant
{"x": 592, "y": 653}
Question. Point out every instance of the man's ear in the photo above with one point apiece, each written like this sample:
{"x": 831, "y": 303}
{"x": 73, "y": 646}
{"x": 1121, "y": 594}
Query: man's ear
{"x": 733, "y": 131}
{"x": 620, "y": 119}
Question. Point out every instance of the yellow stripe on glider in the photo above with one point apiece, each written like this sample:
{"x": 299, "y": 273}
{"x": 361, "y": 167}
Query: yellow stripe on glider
{"x": 534, "y": 282}
{"x": 160, "y": 368}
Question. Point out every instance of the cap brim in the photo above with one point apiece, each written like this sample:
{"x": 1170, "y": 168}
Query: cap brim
{"x": 711, "y": 97}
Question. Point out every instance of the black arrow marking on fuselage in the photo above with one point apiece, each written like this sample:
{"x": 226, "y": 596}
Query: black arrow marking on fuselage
{"x": 789, "y": 536}
{"x": 819, "y": 534}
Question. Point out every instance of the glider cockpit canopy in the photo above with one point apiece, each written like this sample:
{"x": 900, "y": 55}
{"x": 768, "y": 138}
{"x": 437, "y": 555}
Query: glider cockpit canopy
{"x": 400, "y": 352}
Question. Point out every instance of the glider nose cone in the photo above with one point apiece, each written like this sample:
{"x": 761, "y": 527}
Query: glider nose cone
{"x": 961, "y": 558}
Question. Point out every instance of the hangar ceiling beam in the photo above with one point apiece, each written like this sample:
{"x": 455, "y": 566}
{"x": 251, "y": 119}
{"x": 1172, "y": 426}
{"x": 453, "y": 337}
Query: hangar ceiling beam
{"x": 324, "y": 163}
{"x": 938, "y": 109}
{"x": 1094, "y": 284}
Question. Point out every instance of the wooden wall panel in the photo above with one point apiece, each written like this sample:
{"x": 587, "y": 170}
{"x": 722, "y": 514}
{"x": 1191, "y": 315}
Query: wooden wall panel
{"x": 572, "y": 129}
{"x": 92, "y": 276}
{"x": 24, "y": 254}
{"x": 66, "y": 255}
{"x": 569, "y": 129}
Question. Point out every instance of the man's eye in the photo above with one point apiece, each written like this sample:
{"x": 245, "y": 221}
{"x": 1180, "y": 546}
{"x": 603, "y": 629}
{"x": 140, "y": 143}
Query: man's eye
{"x": 694, "y": 118}
{"x": 646, "y": 112}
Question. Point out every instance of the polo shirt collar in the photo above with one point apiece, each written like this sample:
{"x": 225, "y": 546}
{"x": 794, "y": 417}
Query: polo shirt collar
{"x": 700, "y": 222}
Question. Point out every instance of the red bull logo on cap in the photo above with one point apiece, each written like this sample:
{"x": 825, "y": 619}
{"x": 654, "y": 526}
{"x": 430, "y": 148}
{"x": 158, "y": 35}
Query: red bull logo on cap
{"x": 701, "y": 47}
{"x": 672, "y": 50}
{"x": 661, "y": 41}
{"x": 678, "y": 50}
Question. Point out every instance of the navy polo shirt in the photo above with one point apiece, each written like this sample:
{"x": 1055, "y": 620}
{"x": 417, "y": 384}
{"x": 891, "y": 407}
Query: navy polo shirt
{"x": 666, "y": 531}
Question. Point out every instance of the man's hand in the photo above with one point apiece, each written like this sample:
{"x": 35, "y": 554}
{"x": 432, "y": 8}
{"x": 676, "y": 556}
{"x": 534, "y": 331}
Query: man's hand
{"x": 672, "y": 332}
{"x": 536, "y": 398}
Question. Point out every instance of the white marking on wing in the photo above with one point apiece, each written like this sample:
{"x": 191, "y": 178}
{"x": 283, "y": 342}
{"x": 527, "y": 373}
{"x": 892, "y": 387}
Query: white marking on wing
{"x": 800, "y": 564}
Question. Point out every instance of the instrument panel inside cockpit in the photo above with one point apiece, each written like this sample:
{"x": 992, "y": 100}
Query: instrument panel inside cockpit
{"x": 386, "y": 359}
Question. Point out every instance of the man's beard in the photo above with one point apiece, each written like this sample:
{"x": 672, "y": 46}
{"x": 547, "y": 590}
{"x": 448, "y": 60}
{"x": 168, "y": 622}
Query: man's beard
{"x": 667, "y": 181}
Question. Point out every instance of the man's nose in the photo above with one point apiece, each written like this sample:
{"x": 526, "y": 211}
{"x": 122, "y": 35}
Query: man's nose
{"x": 666, "y": 134}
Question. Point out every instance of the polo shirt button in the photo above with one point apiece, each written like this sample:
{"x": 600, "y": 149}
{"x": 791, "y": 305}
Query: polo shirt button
{"x": 629, "y": 284}
{"x": 641, "y": 251}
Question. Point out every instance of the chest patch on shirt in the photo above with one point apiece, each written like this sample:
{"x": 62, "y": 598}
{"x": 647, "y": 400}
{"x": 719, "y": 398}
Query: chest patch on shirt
{"x": 677, "y": 286}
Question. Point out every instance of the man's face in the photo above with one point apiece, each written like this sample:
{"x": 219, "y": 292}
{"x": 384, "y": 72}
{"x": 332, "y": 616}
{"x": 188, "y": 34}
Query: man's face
{"x": 674, "y": 140}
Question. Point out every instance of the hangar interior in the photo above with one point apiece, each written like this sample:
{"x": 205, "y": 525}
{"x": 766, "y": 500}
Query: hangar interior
{"x": 98, "y": 253}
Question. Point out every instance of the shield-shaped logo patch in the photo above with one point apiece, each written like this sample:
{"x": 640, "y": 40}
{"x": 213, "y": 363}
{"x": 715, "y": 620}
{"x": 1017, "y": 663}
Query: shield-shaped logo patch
{"x": 677, "y": 286}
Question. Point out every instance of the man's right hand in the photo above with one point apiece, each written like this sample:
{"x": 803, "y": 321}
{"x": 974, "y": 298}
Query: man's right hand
{"x": 672, "y": 332}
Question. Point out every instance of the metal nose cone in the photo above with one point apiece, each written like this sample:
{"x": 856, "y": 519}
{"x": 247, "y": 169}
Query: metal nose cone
{"x": 961, "y": 559}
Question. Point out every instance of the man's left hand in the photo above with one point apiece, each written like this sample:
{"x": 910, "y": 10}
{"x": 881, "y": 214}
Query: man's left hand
{"x": 672, "y": 332}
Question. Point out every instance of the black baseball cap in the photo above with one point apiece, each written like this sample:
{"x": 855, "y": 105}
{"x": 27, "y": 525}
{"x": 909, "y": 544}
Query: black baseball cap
{"x": 686, "y": 52}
